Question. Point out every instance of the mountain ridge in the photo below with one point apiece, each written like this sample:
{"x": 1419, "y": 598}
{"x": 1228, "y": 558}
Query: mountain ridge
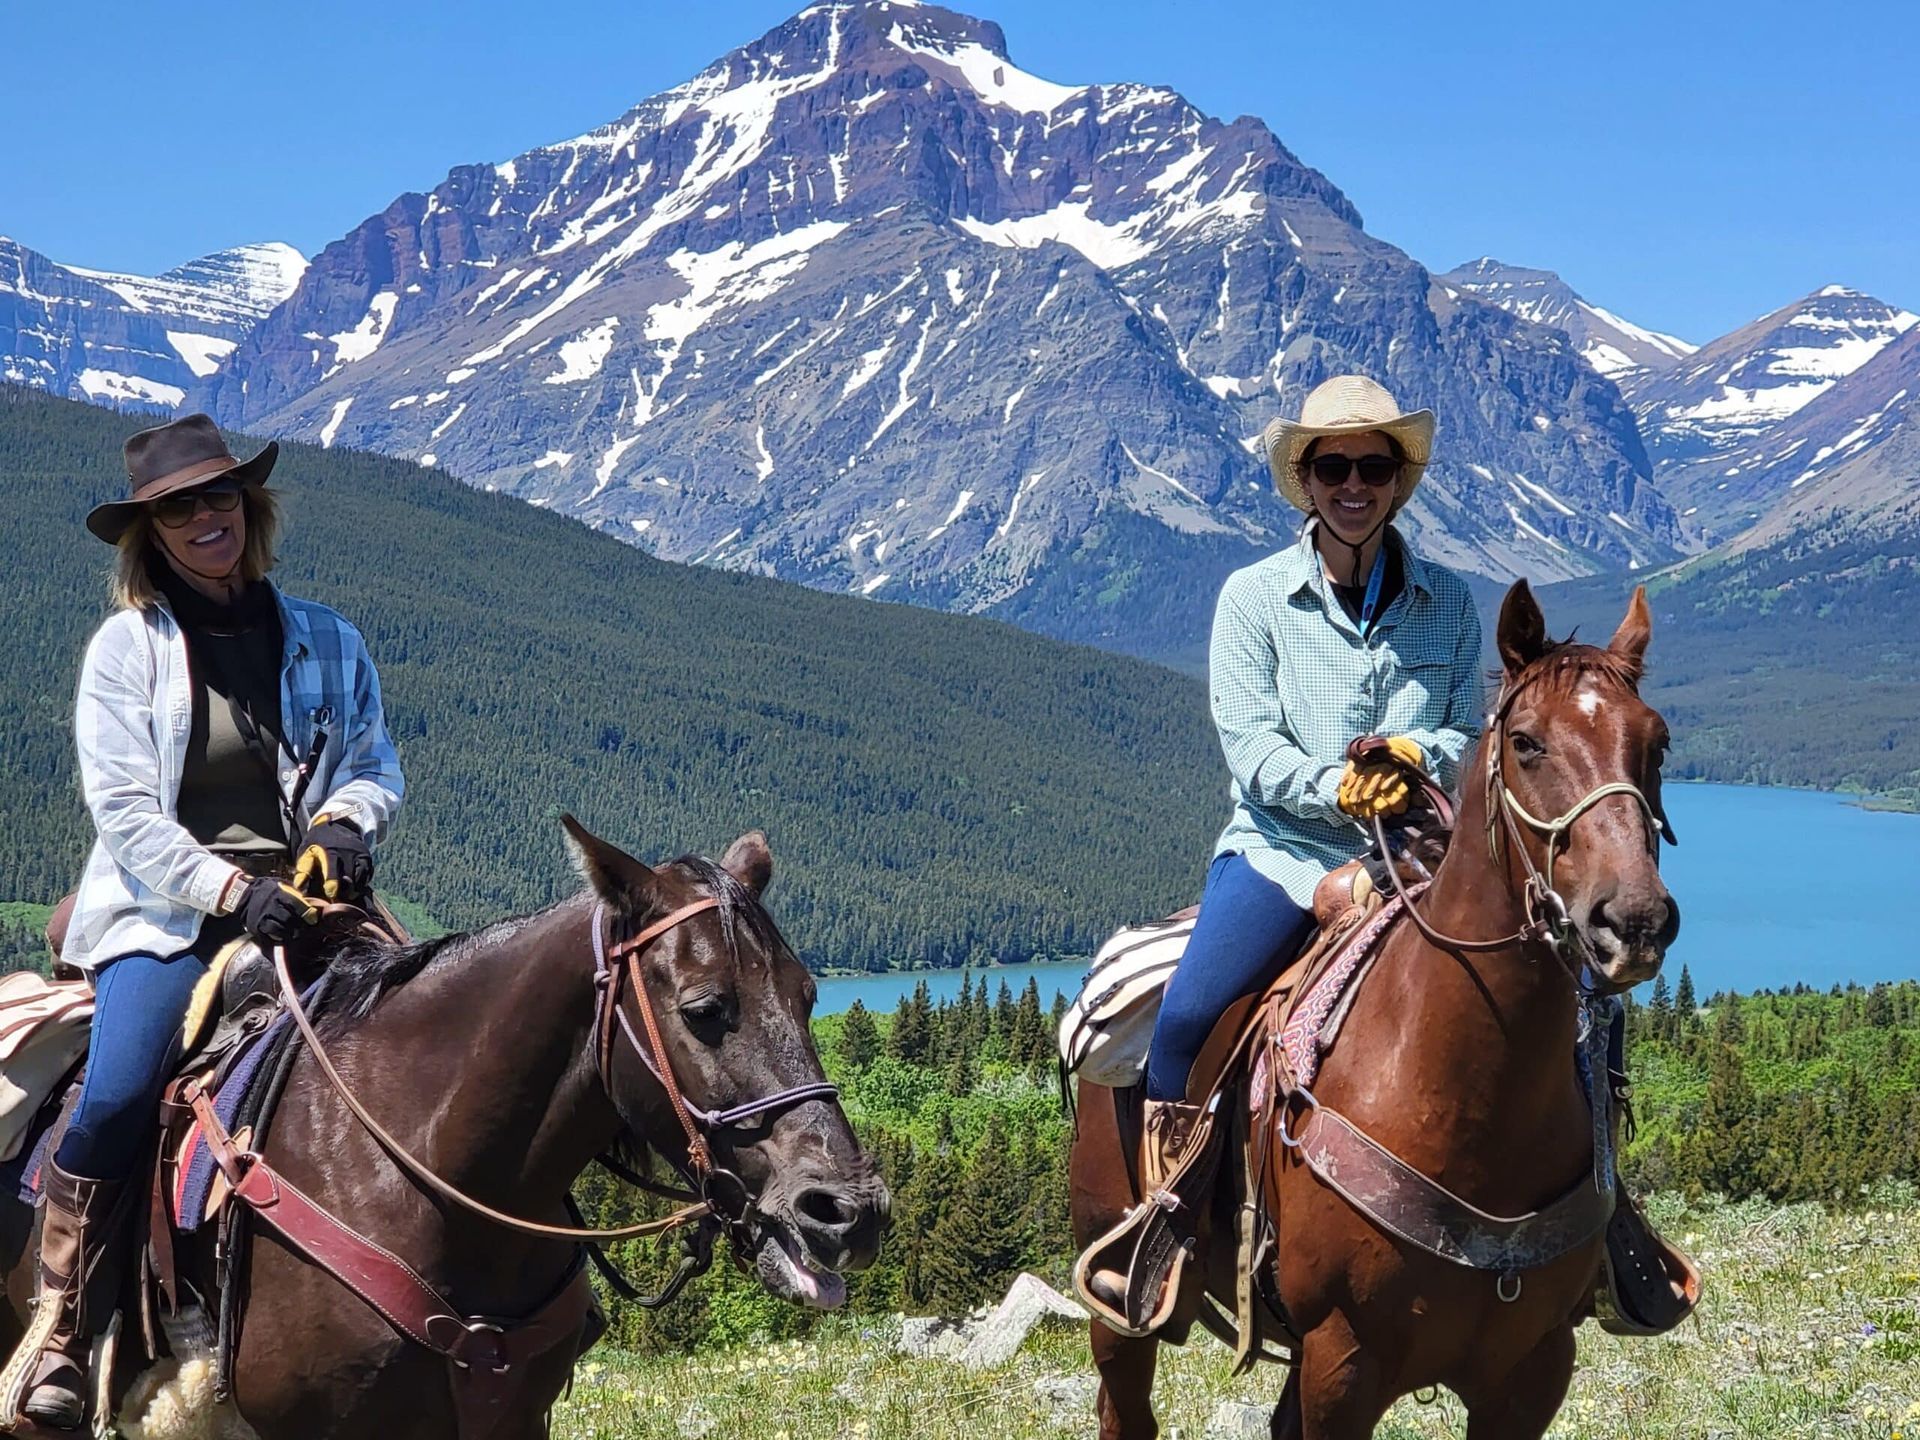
{"x": 133, "y": 341}
{"x": 864, "y": 305}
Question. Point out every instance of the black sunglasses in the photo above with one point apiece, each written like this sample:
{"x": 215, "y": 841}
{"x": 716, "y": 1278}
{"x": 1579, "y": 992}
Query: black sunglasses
{"x": 1374, "y": 469}
{"x": 175, "y": 510}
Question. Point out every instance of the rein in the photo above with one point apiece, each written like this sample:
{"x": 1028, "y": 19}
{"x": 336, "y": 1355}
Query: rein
{"x": 722, "y": 1195}
{"x": 416, "y": 1168}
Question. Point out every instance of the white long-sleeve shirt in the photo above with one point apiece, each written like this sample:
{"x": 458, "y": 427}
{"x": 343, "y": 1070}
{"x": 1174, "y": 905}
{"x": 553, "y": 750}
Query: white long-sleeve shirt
{"x": 148, "y": 883}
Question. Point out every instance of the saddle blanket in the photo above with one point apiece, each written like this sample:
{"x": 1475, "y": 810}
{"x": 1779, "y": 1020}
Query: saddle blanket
{"x": 1105, "y": 1030}
{"x": 191, "y": 1195}
{"x": 1310, "y": 1029}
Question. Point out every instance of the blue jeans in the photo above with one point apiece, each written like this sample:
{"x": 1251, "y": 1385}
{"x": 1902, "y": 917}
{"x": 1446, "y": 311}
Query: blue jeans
{"x": 139, "y": 1003}
{"x": 1249, "y": 928}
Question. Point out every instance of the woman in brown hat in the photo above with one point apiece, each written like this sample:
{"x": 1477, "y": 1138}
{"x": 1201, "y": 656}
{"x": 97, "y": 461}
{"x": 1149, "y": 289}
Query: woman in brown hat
{"x": 223, "y": 729}
{"x": 1345, "y": 633}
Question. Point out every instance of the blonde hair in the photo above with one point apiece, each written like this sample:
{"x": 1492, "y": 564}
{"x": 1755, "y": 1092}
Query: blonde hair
{"x": 132, "y": 588}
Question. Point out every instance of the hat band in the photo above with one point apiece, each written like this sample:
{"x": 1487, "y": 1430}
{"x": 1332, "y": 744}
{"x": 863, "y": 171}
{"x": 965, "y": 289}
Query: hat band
{"x": 219, "y": 465}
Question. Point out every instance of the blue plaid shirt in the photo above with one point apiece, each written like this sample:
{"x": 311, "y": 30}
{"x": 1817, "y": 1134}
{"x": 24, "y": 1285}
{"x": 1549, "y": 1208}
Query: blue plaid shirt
{"x": 1293, "y": 681}
{"x": 148, "y": 883}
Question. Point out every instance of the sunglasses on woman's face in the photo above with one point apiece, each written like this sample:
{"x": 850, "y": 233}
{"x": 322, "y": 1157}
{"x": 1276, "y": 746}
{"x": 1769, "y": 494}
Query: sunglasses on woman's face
{"x": 175, "y": 510}
{"x": 1373, "y": 469}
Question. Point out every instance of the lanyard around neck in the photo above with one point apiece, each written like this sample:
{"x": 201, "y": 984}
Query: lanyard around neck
{"x": 1375, "y": 582}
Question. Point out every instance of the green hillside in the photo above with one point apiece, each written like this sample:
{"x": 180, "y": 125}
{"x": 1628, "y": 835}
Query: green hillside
{"x": 1795, "y": 664}
{"x": 935, "y": 788}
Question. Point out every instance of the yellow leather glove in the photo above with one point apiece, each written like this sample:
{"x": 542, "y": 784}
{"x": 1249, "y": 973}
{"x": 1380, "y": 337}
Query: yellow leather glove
{"x": 1379, "y": 785}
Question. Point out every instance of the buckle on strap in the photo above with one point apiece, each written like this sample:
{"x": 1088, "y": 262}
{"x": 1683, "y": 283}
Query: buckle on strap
{"x": 474, "y": 1344}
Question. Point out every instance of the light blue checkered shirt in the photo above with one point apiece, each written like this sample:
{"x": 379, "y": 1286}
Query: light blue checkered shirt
{"x": 1293, "y": 682}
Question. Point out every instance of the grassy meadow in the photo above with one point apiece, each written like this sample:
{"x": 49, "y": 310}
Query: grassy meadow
{"x": 1811, "y": 1328}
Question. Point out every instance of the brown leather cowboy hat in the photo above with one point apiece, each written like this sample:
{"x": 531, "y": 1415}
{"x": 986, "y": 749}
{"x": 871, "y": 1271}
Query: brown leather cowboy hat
{"x": 180, "y": 455}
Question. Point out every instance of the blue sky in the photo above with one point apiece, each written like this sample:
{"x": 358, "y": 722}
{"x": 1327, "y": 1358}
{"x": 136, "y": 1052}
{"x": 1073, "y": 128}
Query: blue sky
{"x": 1688, "y": 165}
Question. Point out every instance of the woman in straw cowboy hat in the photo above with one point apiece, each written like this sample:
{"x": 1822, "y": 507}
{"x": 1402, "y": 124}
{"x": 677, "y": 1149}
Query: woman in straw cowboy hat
{"x": 221, "y": 725}
{"x": 1345, "y": 633}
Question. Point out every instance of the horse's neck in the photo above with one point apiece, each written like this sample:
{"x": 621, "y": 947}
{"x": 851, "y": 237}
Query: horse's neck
{"x": 1500, "y": 1019}
{"x": 506, "y": 1027}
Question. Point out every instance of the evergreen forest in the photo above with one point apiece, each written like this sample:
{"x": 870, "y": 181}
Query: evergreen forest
{"x": 1782, "y": 1096}
{"x": 936, "y": 789}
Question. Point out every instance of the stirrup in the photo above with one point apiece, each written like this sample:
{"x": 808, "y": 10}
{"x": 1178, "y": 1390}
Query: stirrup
{"x": 1647, "y": 1286}
{"x": 1147, "y": 1252}
{"x": 16, "y": 1378}
{"x": 1130, "y": 1277}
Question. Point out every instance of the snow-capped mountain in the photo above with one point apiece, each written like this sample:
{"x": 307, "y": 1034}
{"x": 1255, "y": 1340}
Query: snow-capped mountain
{"x": 1735, "y": 390}
{"x": 867, "y": 306}
{"x": 1617, "y": 348}
{"x": 1854, "y": 448}
{"x": 132, "y": 340}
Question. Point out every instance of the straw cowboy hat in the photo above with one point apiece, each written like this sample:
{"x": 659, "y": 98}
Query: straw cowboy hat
{"x": 180, "y": 455}
{"x": 1347, "y": 405}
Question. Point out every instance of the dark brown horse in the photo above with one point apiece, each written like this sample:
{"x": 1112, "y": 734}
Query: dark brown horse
{"x": 1462, "y": 1064}
{"x": 479, "y": 1053}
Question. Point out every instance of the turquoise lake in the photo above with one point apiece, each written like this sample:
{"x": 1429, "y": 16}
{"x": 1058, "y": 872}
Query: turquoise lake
{"x": 1775, "y": 887}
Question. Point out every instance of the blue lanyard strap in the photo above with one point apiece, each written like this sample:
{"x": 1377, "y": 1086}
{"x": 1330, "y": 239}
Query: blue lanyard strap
{"x": 1374, "y": 583}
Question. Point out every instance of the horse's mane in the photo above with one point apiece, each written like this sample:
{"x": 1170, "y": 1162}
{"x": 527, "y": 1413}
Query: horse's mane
{"x": 362, "y": 973}
{"x": 1567, "y": 662}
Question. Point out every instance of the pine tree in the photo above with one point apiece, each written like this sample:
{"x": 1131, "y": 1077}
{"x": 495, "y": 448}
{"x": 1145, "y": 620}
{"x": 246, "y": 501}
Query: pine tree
{"x": 859, "y": 1037}
{"x": 1685, "y": 1006}
{"x": 912, "y": 1037}
{"x": 1028, "y": 1043}
{"x": 977, "y": 1246}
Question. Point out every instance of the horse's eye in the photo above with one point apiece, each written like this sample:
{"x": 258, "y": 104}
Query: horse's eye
{"x": 1526, "y": 748}
{"x": 702, "y": 1013}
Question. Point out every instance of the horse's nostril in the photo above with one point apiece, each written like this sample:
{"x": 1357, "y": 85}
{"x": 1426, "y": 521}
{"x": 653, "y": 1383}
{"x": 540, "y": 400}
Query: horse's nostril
{"x": 827, "y": 1207}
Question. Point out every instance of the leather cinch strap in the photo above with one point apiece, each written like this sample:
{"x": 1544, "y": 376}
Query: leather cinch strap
{"x": 382, "y": 1279}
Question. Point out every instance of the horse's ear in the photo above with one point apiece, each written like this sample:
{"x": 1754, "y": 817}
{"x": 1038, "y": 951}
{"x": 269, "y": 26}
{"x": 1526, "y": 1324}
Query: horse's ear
{"x": 616, "y": 877}
{"x": 749, "y": 861}
{"x": 1630, "y": 640}
{"x": 1523, "y": 629}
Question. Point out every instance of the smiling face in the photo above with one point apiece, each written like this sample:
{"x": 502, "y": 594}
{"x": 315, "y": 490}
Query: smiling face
{"x": 209, "y": 544}
{"x": 1352, "y": 509}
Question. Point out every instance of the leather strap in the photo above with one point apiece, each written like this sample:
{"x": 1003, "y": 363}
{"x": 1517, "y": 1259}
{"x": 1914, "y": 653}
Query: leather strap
{"x": 1425, "y": 1213}
{"x": 382, "y": 1279}
{"x": 290, "y": 993}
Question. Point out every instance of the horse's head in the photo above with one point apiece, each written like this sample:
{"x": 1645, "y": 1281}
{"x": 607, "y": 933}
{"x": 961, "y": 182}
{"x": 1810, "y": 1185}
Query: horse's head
{"x": 1578, "y": 754}
{"x": 729, "y": 1007}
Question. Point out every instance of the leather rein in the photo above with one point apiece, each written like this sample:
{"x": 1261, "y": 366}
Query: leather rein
{"x": 717, "y": 1196}
{"x": 1548, "y": 921}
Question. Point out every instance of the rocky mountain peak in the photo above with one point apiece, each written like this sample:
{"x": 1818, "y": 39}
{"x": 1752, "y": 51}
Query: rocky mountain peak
{"x": 1624, "y": 352}
{"x": 866, "y": 305}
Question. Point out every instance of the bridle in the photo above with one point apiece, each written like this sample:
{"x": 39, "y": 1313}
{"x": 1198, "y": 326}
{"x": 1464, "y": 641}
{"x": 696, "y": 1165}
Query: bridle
{"x": 722, "y": 1191}
{"x": 1548, "y": 920}
{"x": 717, "y": 1199}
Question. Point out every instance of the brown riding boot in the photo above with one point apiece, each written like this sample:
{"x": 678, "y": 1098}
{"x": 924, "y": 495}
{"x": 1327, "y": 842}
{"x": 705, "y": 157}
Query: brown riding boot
{"x": 1139, "y": 1277}
{"x": 1166, "y": 1127}
{"x": 72, "y": 1238}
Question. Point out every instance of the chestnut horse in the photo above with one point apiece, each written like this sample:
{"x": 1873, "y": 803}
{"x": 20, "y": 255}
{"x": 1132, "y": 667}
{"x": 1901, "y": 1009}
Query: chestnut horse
{"x": 1461, "y": 1062}
{"x": 479, "y": 1054}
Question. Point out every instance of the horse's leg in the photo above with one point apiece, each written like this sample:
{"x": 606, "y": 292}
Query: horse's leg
{"x": 1521, "y": 1404}
{"x": 1126, "y": 1366}
{"x": 1285, "y": 1424}
{"x": 1342, "y": 1390}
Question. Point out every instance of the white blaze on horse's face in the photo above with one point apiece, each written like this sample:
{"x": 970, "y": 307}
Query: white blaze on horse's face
{"x": 1578, "y": 725}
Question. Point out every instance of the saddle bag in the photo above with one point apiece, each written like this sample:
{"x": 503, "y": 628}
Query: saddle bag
{"x": 1105, "y": 1030}
{"x": 44, "y": 1026}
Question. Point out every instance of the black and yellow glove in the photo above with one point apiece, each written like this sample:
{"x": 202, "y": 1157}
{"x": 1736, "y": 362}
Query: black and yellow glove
{"x": 1380, "y": 784}
{"x": 273, "y": 911}
{"x": 336, "y": 862}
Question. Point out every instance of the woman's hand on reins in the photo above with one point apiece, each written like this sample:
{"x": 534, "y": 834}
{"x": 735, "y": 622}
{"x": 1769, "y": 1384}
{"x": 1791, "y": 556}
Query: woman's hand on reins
{"x": 335, "y": 855}
{"x": 273, "y": 912}
{"x": 1380, "y": 777}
